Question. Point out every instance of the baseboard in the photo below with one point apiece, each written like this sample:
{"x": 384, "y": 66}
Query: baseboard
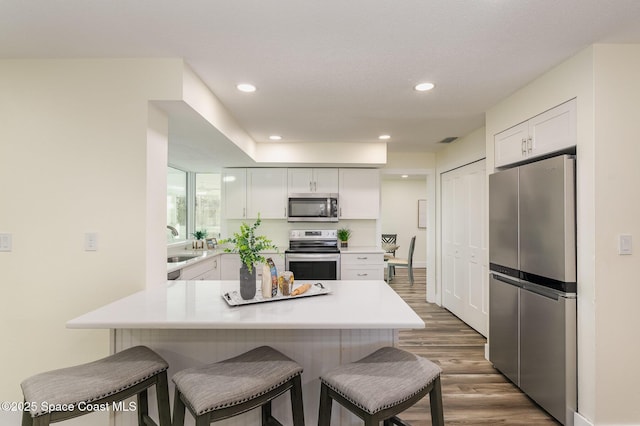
{"x": 578, "y": 420}
{"x": 486, "y": 351}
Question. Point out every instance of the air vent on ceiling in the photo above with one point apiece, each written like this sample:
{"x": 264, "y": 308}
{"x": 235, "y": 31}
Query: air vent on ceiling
{"x": 449, "y": 139}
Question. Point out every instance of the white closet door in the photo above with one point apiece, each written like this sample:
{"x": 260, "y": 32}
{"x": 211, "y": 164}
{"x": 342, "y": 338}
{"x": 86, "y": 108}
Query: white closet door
{"x": 464, "y": 245}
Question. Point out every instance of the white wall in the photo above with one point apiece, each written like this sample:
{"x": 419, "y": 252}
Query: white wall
{"x": 399, "y": 215}
{"x": 617, "y": 211}
{"x": 73, "y": 159}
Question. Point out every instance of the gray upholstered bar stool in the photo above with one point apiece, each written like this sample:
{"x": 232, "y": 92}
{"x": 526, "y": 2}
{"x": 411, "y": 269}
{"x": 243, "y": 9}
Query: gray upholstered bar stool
{"x": 381, "y": 385}
{"x": 83, "y": 389}
{"x": 227, "y": 388}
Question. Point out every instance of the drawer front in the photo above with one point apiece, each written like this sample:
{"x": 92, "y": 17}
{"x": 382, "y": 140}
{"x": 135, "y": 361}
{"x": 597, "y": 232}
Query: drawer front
{"x": 362, "y": 258}
{"x": 370, "y": 273}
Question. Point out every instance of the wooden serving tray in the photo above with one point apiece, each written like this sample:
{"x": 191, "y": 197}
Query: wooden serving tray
{"x": 233, "y": 297}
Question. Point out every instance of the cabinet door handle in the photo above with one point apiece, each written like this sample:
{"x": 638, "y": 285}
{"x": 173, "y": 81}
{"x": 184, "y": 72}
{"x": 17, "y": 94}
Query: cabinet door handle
{"x": 244, "y": 212}
{"x": 530, "y": 144}
{"x": 310, "y": 186}
{"x": 363, "y": 258}
{"x": 524, "y": 146}
{"x": 362, "y": 275}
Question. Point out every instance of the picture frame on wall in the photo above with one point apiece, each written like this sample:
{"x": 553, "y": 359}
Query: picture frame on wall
{"x": 422, "y": 213}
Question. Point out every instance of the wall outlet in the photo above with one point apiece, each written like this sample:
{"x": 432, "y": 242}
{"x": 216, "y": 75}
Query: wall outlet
{"x": 90, "y": 241}
{"x": 5, "y": 242}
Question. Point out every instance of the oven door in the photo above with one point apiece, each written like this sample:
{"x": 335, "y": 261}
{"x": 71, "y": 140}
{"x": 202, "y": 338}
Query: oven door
{"x": 313, "y": 266}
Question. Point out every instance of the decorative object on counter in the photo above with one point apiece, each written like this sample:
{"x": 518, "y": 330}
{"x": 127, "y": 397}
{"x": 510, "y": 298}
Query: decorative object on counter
{"x": 248, "y": 246}
{"x": 285, "y": 283}
{"x": 199, "y": 236}
{"x": 273, "y": 275}
{"x": 233, "y": 298}
{"x": 266, "y": 281}
{"x": 343, "y": 236}
{"x": 211, "y": 243}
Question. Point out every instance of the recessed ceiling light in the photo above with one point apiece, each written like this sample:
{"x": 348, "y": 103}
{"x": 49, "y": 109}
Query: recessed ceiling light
{"x": 423, "y": 87}
{"x": 404, "y": 176}
{"x": 275, "y": 137}
{"x": 384, "y": 137}
{"x": 246, "y": 87}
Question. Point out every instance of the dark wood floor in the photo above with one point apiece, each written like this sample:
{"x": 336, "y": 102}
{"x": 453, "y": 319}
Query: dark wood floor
{"x": 474, "y": 393}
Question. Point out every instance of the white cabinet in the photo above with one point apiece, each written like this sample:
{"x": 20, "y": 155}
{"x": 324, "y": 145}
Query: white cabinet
{"x": 359, "y": 193}
{"x": 207, "y": 269}
{"x": 362, "y": 266}
{"x": 313, "y": 180}
{"x": 267, "y": 193}
{"x": 553, "y": 130}
{"x": 234, "y": 187}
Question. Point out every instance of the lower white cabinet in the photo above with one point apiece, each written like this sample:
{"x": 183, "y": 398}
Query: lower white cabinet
{"x": 207, "y": 269}
{"x": 362, "y": 266}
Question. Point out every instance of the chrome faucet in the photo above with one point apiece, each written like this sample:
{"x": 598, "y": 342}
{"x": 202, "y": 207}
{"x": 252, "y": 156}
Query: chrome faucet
{"x": 174, "y": 231}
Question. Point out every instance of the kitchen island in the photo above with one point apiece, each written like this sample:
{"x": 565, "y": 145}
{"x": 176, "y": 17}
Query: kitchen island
{"x": 190, "y": 324}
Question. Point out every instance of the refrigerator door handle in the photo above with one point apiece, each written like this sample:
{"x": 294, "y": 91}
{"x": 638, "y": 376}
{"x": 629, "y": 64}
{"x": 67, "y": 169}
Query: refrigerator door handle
{"x": 542, "y": 291}
{"x": 506, "y": 280}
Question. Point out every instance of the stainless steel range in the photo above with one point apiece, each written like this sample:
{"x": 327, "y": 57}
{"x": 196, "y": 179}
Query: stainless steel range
{"x": 313, "y": 254}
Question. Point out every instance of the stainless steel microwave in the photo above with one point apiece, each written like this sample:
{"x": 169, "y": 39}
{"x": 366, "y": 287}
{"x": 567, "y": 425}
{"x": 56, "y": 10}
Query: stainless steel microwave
{"x": 313, "y": 207}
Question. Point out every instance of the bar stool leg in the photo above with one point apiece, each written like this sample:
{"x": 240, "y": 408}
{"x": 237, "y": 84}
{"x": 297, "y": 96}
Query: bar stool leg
{"x": 162, "y": 397}
{"x": 435, "y": 402}
{"x": 297, "y": 407}
{"x": 178, "y": 409}
{"x": 143, "y": 406}
{"x": 266, "y": 413}
{"x": 324, "y": 413}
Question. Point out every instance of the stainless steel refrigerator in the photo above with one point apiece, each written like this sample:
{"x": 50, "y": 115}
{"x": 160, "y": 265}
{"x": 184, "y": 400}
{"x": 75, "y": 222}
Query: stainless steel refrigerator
{"x": 532, "y": 290}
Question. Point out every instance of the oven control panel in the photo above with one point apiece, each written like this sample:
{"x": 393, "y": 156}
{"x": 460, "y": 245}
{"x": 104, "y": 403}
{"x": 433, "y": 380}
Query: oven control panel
{"x": 317, "y": 234}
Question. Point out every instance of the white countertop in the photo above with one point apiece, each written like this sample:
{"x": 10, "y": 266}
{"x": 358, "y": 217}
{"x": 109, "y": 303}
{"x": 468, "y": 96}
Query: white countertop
{"x": 199, "y": 305}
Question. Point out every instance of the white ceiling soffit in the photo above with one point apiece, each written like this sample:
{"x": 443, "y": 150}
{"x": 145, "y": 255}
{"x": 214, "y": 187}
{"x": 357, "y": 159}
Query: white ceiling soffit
{"x": 334, "y": 70}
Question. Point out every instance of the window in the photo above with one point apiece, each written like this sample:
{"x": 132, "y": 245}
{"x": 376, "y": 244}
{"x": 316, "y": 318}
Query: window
{"x": 193, "y": 203}
{"x": 176, "y": 205}
{"x": 207, "y": 203}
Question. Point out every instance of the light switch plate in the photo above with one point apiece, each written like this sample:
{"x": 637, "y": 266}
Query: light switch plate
{"x": 5, "y": 242}
{"x": 90, "y": 241}
{"x": 625, "y": 244}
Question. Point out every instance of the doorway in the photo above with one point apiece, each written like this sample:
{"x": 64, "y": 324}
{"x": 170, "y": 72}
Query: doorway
{"x": 403, "y": 191}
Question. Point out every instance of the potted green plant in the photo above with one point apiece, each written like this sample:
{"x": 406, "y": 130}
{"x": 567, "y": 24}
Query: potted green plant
{"x": 199, "y": 236}
{"x": 343, "y": 236}
{"x": 248, "y": 245}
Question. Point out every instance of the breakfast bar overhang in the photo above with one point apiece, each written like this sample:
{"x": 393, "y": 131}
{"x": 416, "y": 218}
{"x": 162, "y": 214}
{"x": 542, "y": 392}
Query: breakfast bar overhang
{"x": 190, "y": 324}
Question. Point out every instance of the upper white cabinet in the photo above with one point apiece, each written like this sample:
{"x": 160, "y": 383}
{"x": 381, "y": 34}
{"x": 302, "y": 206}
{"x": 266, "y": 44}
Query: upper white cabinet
{"x": 267, "y": 193}
{"x": 313, "y": 180}
{"x": 234, "y": 187}
{"x": 359, "y": 193}
{"x": 553, "y": 130}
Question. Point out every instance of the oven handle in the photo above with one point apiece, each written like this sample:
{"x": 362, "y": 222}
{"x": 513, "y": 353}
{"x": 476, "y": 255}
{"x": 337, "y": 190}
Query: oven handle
{"x": 313, "y": 256}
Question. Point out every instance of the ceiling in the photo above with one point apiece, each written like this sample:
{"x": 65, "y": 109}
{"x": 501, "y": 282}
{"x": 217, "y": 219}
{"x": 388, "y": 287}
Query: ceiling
{"x": 332, "y": 70}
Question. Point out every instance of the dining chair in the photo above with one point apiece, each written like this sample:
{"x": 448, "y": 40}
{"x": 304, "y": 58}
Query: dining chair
{"x": 390, "y": 239}
{"x": 394, "y": 262}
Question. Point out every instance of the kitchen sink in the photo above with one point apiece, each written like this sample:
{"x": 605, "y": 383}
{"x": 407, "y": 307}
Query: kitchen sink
{"x": 175, "y": 259}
